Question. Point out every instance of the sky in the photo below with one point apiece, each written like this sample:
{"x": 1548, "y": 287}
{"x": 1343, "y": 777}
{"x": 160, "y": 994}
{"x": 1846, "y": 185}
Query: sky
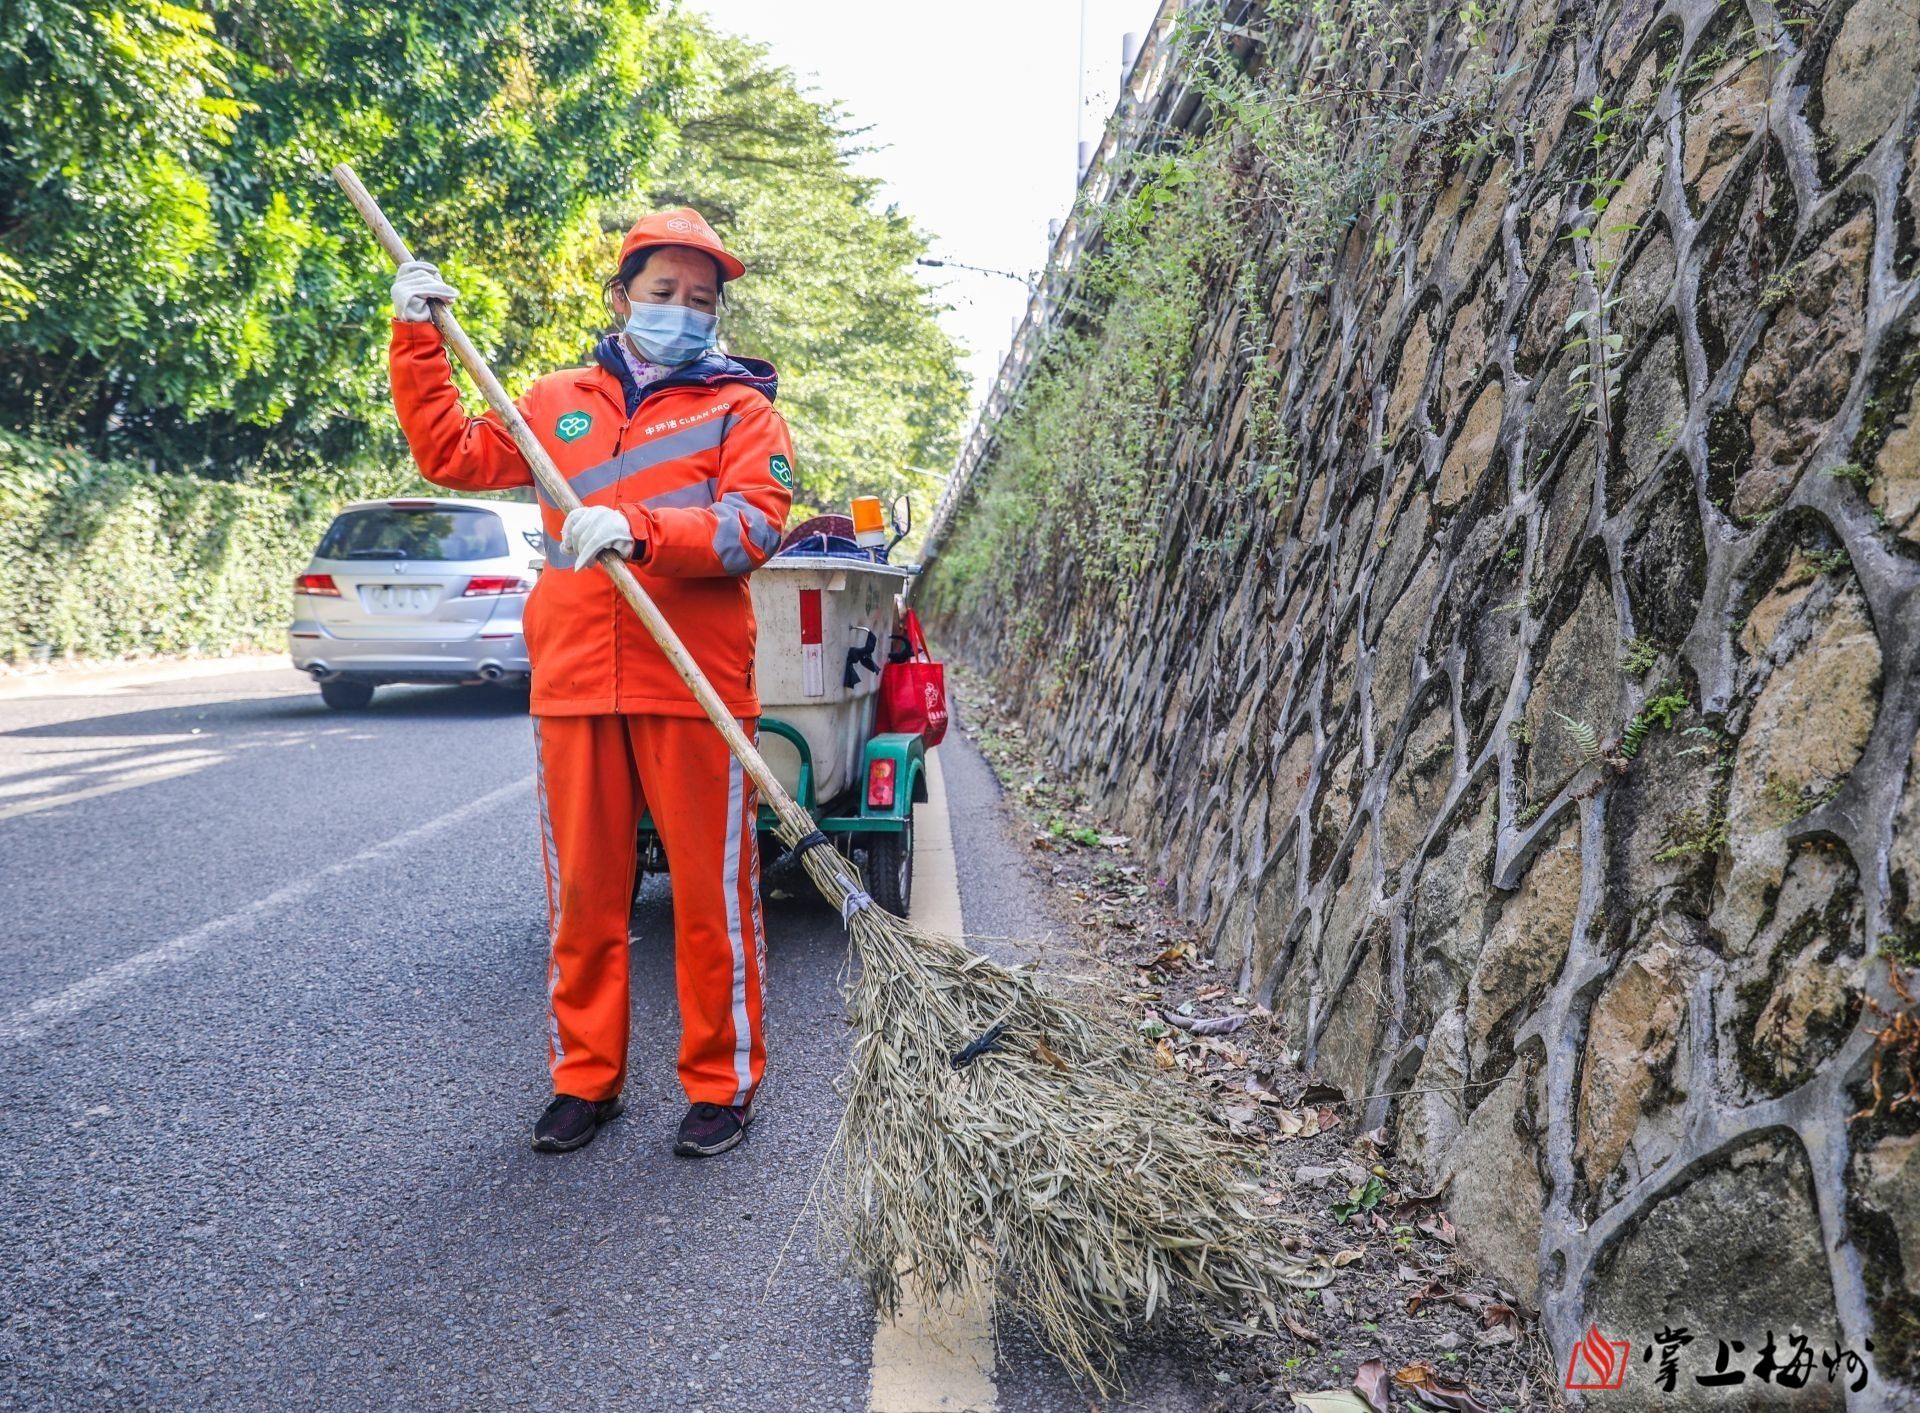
{"x": 971, "y": 108}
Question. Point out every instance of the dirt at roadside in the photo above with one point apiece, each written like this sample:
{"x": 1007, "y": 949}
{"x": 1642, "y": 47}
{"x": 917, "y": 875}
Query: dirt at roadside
{"x": 1407, "y": 1324}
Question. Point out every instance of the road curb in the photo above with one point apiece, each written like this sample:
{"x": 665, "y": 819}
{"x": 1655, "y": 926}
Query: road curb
{"x": 85, "y": 681}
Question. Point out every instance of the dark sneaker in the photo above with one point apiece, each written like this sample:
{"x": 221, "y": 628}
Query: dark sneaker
{"x": 712, "y": 1128}
{"x": 570, "y": 1123}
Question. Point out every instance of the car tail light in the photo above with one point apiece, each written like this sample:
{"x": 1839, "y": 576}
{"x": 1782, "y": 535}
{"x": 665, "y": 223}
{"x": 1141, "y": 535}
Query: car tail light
{"x": 880, "y": 783}
{"x": 493, "y": 585}
{"x": 321, "y": 585}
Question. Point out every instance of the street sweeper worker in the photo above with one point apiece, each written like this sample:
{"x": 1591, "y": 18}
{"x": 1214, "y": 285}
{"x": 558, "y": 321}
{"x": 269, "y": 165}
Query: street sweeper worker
{"x": 685, "y": 469}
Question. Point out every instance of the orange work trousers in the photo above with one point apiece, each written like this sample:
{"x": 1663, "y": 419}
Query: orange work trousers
{"x": 597, "y": 775}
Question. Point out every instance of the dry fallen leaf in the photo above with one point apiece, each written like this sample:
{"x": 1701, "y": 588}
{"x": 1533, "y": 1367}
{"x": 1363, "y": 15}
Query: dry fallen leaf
{"x": 1163, "y": 1055}
{"x": 1299, "y": 1330}
{"x": 1331, "y": 1400}
{"x": 1370, "y": 1382}
{"x": 1046, "y": 1052}
{"x": 1439, "y": 1227}
{"x": 1347, "y": 1258}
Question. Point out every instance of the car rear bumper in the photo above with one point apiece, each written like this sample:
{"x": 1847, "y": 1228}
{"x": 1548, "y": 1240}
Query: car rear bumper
{"x": 476, "y": 659}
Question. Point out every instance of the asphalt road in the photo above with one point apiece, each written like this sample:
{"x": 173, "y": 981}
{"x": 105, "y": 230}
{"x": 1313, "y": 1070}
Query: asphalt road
{"x": 271, "y": 1020}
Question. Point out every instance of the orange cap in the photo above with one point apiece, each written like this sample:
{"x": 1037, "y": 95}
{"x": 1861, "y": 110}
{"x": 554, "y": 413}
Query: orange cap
{"x": 684, "y": 226}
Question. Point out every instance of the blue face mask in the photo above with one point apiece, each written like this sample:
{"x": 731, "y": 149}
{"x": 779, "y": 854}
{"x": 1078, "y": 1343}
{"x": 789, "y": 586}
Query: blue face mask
{"x": 670, "y": 334}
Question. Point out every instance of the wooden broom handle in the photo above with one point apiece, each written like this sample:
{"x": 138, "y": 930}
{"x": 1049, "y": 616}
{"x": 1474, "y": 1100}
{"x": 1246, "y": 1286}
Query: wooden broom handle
{"x": 561, "y": 494}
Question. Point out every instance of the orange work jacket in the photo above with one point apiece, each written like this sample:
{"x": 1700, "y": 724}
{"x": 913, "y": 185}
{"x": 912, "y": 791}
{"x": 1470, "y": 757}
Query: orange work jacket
{"x": 701, "y": 465}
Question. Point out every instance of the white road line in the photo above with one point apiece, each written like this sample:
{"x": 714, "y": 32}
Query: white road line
{"x": 30, "y": 1020}
{"x": 138, "y": 777}
{"x": 935, "y": 1357}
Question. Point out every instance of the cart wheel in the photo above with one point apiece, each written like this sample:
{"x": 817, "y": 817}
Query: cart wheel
{"x": 890, "y": 869}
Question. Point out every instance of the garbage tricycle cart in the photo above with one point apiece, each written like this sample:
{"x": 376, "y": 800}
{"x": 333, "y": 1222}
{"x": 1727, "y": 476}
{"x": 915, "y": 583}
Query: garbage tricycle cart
{"x": 829, "y": 617}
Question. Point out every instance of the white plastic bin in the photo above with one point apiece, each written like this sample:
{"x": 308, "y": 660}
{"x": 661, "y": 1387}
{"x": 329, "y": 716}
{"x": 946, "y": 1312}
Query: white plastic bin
{"x": 811, "y": 611}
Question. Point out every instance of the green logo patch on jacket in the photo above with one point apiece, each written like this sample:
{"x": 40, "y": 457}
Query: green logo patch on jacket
{"x": 781, "y": 469}
{"x": 572, "y": 426}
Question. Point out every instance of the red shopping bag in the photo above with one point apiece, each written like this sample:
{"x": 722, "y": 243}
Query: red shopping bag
{"x": 913, "y": 687}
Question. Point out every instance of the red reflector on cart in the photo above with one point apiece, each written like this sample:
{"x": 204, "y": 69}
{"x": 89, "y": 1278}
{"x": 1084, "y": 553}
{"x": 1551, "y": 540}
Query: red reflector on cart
{"x": 880, "y": 783}
{"x": 813, "y": 668}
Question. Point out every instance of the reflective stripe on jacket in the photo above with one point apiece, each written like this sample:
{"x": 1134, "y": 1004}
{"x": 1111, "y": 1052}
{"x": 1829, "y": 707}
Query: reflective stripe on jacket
{"x": 701, "y": 466}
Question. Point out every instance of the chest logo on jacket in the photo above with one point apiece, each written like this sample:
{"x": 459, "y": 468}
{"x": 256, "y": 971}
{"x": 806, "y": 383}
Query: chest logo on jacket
{"x": 572, "y": 426}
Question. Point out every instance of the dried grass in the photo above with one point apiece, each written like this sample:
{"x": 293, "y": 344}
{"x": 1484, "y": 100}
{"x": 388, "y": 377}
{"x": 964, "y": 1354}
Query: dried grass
{"x": 1087, "y": 1184}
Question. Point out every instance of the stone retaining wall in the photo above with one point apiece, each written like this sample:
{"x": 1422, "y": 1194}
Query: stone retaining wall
{"x": 1547, "y": 768}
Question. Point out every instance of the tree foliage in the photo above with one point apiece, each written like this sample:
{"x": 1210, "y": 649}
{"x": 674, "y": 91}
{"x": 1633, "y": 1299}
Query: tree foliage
{"x": 179, "y": 279}
{"x": 181, "y": 284}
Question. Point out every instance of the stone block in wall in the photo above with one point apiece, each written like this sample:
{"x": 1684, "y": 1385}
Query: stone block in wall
{"x": 1474, "y": 447}
{"x": 1653, "y": 408}
{"x": 1397, "y": 657}
{"x": 1448, "y": 925}
{"x": 1666, "y": 561}
{"x": 1794, "y": 985}
{"x": 1888, "y": 1176}
{"x": 1800, "y": 375}
{"x": 1344, "y": 1049}
{"x": 1467, "y": 354}
{"x": 1568, "y": 514}
{"x": 1524, "y": 947}
{"x": 1403, "y": 402}
{"x": 1634, "y": 1070}
{"x": 1494, "y": 1192}
{"x": 1418, "y": 787}
{"x": 1480, "y": 227}
{"x": 1869, "y": 75}
{"x": 1903, "y": 854}
{"x": 1427, "y": 1120}
{"x": 1578, "y": 681}
{"x": 1895, "y": 490}
{"x": 1644, "y": 289}
{"x": 1730, "y": 107}
{"x": 1730, "y": 1254}
{"x": 1350, "y": 916}
{"x": 1273, "y": 912}
{"x": 1807, "y": 731}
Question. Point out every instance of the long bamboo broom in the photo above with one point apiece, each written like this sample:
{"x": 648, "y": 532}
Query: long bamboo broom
{"x": 988, "y": 1123}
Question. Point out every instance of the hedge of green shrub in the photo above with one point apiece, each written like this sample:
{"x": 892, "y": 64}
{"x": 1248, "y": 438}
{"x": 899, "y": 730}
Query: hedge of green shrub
{"x": 101, "y": 559}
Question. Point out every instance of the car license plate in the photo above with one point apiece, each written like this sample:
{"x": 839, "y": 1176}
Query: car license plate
{"x": 398, "y": 598}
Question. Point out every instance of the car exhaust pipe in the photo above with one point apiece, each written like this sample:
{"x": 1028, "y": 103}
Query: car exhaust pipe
{"x": 319, "y": 671}
{"x": 492, "y": 672}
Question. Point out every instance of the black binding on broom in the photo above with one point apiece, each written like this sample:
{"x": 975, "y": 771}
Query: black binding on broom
{"x": 974, "y": 1049}
{"x": 793, "y": 855}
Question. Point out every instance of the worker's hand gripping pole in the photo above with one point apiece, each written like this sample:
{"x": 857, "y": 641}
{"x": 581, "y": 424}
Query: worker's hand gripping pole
{"x": 796, "y": 822}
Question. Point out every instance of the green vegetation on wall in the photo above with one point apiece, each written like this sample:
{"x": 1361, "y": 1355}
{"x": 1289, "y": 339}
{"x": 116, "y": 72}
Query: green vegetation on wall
{"x": 1074, "y": 491}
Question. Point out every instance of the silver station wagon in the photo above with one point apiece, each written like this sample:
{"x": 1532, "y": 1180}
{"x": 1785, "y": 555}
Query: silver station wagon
{"x": 427, "y": 590}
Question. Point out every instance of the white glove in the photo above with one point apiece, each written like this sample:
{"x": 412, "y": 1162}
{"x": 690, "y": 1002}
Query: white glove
{"x": 593, "y": 528}
{"x": 414, "y": 283}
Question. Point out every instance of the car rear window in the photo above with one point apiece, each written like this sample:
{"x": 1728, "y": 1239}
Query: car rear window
{"x": 389, "y": 533}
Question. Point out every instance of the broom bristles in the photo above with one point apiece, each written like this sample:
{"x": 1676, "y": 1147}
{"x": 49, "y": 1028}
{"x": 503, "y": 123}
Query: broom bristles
{"x": 1089, "y": 1186}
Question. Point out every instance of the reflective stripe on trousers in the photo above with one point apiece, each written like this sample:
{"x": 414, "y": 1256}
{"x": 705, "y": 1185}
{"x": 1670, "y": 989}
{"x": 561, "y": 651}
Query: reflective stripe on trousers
{"x": 601, "y": 773}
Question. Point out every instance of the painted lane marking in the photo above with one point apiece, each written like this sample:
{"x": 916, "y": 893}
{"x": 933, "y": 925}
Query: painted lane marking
{"x": 30, "y": 1020}
{"x": 935, "y": 1356}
